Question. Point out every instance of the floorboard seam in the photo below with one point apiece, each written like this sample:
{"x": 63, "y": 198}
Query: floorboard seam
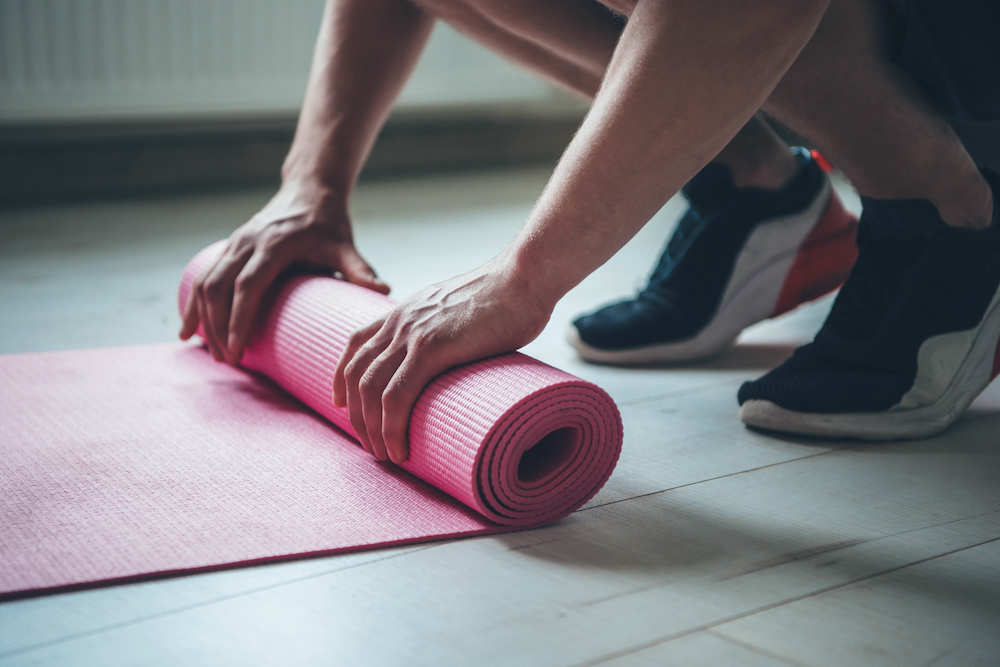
{"x": 773, "y": 605}
{"x": 811, "y": 554}
{"x": 938, "y": 658}
{"x": 680, "y": 392}
{"x": 849, "y": 544}
{"x": 755, "y": 649}
{"x": 712, "y": 479}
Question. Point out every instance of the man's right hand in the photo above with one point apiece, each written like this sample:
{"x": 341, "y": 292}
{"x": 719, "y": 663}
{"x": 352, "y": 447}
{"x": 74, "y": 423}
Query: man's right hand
{"x": 303, "y": 225}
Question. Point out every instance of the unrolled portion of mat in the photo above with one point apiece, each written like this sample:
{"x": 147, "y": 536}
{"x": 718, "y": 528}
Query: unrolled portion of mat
{"x": 120, "y": 463}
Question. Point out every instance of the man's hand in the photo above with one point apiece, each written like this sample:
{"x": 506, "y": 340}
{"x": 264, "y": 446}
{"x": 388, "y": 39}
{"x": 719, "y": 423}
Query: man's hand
{"x": 389, "y": 362}
{"x": 302, "y": 225}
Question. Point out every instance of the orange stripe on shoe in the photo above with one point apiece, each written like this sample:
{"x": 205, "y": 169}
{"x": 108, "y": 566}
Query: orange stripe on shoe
{"x": 821, "y": 160}
{"x": 824, "y": 260}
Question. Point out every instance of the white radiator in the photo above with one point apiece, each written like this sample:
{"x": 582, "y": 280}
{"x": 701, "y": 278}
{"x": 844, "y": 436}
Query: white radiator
{"x": 134, "y": 59}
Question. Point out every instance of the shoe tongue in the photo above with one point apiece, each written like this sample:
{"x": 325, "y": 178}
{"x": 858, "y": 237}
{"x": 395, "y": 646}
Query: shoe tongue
{"x": 710, "y": 187}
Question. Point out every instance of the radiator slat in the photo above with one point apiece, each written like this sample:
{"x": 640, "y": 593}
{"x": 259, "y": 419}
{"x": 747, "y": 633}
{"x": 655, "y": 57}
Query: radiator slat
{"x": 125, "y": 59}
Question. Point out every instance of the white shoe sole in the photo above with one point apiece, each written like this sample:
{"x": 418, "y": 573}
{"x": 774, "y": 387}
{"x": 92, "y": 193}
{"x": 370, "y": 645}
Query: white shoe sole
{"x": 930, "y": 407}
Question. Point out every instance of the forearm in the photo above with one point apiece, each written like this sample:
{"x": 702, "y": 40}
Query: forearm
{"x": 365, "y": 52}
{"x": 685, "y": 77}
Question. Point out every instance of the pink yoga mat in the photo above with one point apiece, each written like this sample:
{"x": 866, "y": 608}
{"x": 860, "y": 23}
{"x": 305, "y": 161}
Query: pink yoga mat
{"x": 121, "y": 463}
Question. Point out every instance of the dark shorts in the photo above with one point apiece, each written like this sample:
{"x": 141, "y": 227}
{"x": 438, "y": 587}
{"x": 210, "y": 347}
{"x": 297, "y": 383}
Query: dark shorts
{"x": 952, "y": 47}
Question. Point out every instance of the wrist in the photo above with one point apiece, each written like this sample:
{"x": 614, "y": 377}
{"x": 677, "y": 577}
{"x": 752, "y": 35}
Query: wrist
{"x": 313, "y": 164}
{"x": 315, "y": 192}
{"x": 533, "y": 278}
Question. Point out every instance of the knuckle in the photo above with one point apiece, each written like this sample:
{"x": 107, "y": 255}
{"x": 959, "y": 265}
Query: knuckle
{"x": 274, "y": 240}
{"x": 268, "y": 253}
{"x": 392, "y": 397}
{"x": 357, "y": 337}
{"x": 420, "y": 345}
{"x": 213, "y": 287}
{"x": 353, "y": 343}
{"x": 243, "y": 283}
{"x": 353, "y": 372}
{"x": 367, "y": 382}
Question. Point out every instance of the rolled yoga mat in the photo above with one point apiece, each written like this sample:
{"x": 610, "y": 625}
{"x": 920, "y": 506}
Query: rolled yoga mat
{"x": 123, "y": 463}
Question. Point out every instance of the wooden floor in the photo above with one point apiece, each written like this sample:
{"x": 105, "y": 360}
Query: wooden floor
{"x": 711, "y": 544}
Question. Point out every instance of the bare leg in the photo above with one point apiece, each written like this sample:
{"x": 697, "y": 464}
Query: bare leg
{"x": 842, "y": 92}
{"x": 573, "y": 54}
{"x": 758, "y": 157}
{"x": 535, "y": 55}
{"x": 571, "y": 42}
{"x": 873, "y": 121}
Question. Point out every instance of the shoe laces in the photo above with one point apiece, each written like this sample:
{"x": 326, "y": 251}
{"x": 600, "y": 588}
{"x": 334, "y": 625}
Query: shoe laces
{"x": 706, "y": 193}
{"x": 686, "y": 231}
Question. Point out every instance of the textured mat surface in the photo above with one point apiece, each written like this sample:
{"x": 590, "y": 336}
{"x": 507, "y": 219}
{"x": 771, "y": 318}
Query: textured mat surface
{"x": 120, "y": 463}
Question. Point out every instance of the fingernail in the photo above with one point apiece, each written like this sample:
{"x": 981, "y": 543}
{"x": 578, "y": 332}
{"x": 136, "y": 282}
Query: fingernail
{"x": 234, "y": 343}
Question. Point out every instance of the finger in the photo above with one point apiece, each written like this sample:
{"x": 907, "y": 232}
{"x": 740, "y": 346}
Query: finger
{"x": 192, "y": 313}
{"x": 213, "y": 348}
{"x": 371, "y": 387}
{"x": 253, "y": 280}
{"x": 218, "y": 298}
{"x": 353, "y": 373}
{"x": 398, "y": 399}
{"x": 356, "y": 270}
{"x": 190, "y": 319}
{"x": 354, "y": 343}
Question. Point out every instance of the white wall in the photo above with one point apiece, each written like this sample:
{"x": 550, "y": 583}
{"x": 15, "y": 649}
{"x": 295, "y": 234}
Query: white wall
{"x": 84, "y": 60}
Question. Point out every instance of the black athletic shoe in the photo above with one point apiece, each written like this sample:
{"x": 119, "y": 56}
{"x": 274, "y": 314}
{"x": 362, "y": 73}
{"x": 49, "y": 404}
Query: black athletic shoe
{"x": 910, "y": 341}
{"x": 738, "y": 256}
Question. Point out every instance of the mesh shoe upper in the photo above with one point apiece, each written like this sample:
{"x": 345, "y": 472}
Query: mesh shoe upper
{"x": 690, "y": 277}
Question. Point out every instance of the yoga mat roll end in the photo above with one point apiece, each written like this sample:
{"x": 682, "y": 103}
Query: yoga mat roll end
{"x": 536, "y": 443}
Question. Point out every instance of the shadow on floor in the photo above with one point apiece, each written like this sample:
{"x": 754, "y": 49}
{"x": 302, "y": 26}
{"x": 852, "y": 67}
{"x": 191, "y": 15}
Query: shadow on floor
{"x": 833, "y": 518}
{"x": 669, "y": 541}
{"x": 740, "y": 357}
{"x": 750, "y": 357}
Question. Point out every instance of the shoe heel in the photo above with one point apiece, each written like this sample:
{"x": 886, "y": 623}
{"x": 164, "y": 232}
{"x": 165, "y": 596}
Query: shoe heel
{"x": 824, "y": 260}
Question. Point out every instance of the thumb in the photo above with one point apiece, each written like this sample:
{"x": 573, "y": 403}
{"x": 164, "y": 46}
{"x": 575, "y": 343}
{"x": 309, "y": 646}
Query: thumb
{"x": 357, "y": 271}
